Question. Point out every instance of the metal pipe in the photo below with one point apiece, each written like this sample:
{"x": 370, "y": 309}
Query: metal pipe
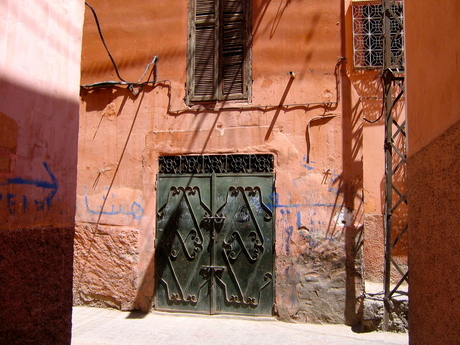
{"x": 308, "y": 131}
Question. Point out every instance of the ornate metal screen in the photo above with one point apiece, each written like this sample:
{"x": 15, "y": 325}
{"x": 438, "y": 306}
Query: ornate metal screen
{"x": 221, "y": 164}
{"x": 368, "y": 34}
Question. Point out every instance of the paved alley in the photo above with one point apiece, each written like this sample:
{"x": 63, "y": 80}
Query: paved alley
{"x": 94, "y": 326}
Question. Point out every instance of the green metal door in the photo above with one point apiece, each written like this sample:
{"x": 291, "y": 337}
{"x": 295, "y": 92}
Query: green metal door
{"x": 183, "y": 243}
{"x": 214, "y": 243}
{"x": 244, "y": 245}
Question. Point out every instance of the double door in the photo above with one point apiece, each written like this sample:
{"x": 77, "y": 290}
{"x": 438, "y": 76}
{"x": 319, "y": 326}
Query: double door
{"x": 214, "y": 244}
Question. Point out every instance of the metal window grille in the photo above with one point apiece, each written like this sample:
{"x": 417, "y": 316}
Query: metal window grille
{"x": 368, "y": 34}
{"x": 249, "y": 163}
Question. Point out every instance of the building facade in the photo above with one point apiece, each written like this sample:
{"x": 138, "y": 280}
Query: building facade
{"x": 290, "y": 105}
{"x": 216, "y": 136}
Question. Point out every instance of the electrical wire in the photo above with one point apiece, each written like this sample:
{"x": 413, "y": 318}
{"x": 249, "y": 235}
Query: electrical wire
{"x": 326, "y": 116}
{"x": 383, "y": 107}
{"x": 131, "y": 85}
{"x": 384, "y": 97}
{"x": 103, "y": 42}
{"x": 264, "y": 108}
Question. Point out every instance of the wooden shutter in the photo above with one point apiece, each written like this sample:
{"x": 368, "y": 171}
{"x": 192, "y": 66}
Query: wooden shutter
{"x": 233, "y": 48}
{"x": 204, "y": 73}
{"x": 218, "y": 50}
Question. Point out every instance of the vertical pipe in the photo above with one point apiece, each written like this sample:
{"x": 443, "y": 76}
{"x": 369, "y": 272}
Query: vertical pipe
{"x": 387, "y": 82}
{"x": 388, "y": 195}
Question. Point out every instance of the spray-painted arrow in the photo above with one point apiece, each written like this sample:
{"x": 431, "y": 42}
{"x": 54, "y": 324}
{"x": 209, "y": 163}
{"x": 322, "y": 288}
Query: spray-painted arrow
{"x": 53, "y": 185}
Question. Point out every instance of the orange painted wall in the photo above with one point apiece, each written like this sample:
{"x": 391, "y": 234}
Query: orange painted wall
{"x": 434, "y": 133}
{"x": 319, "y": 175}
{"x": 432, "y": 28}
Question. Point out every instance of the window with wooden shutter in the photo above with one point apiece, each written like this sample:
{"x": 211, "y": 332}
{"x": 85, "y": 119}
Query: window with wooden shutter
{"x": 219, "y": 54}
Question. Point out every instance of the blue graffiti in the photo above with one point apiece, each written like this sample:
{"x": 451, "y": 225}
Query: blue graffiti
{"x": 288, "y": 206}
{"x": 334, "y": 191}
{"x": 283, "y": 211}
{"x": 39, "y": 183}
{"x": 11, "y": 203}
{"x": 289, "y": 231}
{"x": 278, "y": 205}
{"x": 319, "y": 204}
{"x": 305, "y": 164}
{"x": 12, "y": 199}
{"x": 299, "y": 220}
{"x": 135, "y": 210}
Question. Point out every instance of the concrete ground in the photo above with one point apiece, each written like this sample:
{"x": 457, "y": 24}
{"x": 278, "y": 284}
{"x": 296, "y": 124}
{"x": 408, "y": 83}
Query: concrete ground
{"x": 110, "y": 327}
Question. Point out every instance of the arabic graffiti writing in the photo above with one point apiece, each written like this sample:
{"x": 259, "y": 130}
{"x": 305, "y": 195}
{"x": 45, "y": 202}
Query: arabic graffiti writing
{"x": 40, "y": 197}
{"x": 135, "y": 209}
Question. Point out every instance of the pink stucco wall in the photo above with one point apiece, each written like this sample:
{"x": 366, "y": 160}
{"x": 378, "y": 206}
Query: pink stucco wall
{"x": 40, "y": 49}
{"x": 39, "y": 61}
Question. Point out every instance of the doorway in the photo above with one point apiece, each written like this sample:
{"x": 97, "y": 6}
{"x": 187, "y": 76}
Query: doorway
{"x": 214, "y": 238}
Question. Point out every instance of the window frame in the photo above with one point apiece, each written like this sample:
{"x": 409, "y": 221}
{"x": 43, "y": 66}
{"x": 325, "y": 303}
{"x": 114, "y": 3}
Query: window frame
{"x": 246, "y": 65}
{"x": 363, "y": 40}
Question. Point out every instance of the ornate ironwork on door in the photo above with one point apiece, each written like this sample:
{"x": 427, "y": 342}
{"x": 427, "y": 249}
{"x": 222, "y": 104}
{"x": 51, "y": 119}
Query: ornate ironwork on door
{"x": 214, "y": 243}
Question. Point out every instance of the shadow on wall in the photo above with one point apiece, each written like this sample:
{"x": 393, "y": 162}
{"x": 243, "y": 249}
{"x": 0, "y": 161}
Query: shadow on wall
{"x": 367, "y": 113}
{"x": 349, "y": 185}
{"x": 97, "y": 100}
{"x": 135, "y": 57}
{"x": 351, "y": 188}
{"x": 145, "y": 292}
{"x": 368, "y": 85}
{"x": 36, "y": 256}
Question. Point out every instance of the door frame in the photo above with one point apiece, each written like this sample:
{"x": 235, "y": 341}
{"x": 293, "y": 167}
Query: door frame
{"x": 213, "y": 206}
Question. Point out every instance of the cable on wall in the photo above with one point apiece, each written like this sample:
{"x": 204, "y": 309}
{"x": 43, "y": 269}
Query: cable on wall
{"x": 134, "y": 87}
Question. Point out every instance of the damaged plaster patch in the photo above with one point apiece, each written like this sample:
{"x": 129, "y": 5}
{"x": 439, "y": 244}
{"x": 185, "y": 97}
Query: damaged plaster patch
{"x": 344, "y": 217}
{"x": 110, "y": 111}
{"x": 220, "y": 129}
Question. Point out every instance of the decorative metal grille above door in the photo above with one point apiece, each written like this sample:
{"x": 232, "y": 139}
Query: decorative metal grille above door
{"x": 214, "y": 238}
